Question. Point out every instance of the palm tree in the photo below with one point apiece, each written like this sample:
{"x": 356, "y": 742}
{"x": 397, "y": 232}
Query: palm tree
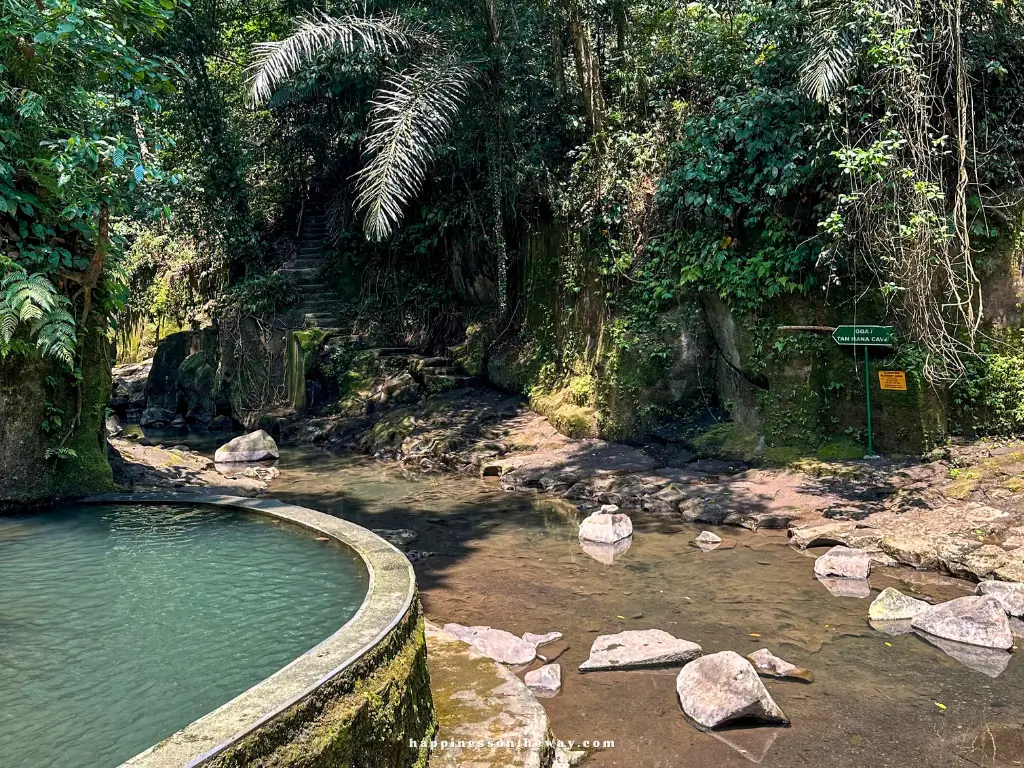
{"x": 411, "y": 113}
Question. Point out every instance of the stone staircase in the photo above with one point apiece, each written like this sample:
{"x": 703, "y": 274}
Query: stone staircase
{"x": 320, "y": 306}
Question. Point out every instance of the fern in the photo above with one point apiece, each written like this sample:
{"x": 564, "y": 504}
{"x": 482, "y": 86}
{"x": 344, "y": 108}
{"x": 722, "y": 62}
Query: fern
{"x": 411, "y": 114}
{"x": 276, "y": 61}
{"x": 33, "y": 302}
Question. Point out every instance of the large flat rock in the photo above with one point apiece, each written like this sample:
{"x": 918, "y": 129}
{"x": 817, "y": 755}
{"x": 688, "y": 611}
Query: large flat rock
{"x": 637, "y": 648}
{"x": 495, "y": 644}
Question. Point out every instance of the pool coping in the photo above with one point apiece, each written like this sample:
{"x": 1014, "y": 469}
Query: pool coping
{"x": 389, "y": 597}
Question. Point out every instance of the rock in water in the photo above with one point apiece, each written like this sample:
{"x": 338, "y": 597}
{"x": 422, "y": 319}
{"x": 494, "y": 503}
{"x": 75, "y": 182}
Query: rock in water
{"x": 707, "y": 537}
{"x": 722, "y": 688}
{"x": 496, "y": 644}
{"x": 538, "y": 640}
{"x": 256, "y": 446}
{"x": 638, "y": 648}
{"x": 972, "y": 620}
{"x": 547, "y": 679}
{"x": 768, "y": 664}
{"x": 399, "y": 537}
{"x": 893, "y": 605}
{"x": 1009, "y": 594}
{"x": 604, "y": 528}
{"x": 844, "y": 562}
{"x": 113, "y": 426}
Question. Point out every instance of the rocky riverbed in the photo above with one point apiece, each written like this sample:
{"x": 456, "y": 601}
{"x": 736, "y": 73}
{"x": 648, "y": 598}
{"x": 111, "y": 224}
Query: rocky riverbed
{"x": 959, "y": 510}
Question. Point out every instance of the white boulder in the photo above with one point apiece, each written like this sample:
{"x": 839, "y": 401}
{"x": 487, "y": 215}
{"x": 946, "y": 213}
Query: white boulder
{"x": 255, "y": 446}
{"x": 722, "y": 688}
{"x": 605, "y": 528}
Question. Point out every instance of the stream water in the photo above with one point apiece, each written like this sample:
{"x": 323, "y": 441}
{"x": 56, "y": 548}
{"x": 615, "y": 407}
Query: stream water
{"x": 121, "y": 624}
{"x": 513, "y": 561}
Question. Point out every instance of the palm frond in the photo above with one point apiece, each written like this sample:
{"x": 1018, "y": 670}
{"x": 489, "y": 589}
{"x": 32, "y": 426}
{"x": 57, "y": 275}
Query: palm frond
{"x": 411, "y": 114}
{"x": 830, "y": 66}
{"x": 276, "y": 61}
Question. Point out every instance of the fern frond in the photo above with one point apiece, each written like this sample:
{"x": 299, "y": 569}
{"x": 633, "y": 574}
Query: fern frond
{"x": 411, "y": 114}
{"x": 276, "y": 61}
{"x": 8, "y": 323}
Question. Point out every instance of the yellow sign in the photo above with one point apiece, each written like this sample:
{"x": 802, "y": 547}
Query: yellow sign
{"x": 894, "y": 380}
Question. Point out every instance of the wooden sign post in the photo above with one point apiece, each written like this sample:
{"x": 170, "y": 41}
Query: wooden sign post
{"x": 867, "y": 336}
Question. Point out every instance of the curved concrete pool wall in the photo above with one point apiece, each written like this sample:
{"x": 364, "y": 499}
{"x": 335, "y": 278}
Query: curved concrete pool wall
{"x": 358, "y": 699}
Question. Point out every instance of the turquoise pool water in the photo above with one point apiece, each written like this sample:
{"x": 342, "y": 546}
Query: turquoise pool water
{"x": 121, "y": 624}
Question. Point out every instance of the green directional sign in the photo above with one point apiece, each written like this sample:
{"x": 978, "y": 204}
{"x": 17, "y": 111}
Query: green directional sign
{"x": 863, "y": 335}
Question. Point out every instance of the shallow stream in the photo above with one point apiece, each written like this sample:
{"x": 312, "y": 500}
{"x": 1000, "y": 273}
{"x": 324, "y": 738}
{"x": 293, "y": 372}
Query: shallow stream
{"x": 513, "y": 561}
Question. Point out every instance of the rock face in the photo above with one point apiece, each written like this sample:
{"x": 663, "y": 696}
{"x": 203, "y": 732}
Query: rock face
{"x": 256, "y": 446}
{"x": 635, "y": 649}
{"x": 843, "y": 562}
{"x": 768, "y": 664}
{"x": 972, "y": 620}
{"x": 496, "y": 644}
{"x": 1008, "y": 594}
{"x": 724, "y": 688}
{"x": 546, "y": 680}
{"x": 893, "y": 605}
{"x": 604, "y": 528}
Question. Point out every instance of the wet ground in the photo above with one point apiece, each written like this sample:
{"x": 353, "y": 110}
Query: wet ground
{"x": 513, "y": 561}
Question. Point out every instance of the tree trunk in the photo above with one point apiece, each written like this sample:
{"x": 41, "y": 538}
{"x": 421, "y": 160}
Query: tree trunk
{"x": 588, "y": 70}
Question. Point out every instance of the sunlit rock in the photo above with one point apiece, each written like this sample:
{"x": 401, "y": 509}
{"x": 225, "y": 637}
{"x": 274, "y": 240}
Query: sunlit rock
{"x": 844, "y": 563}
{"x": 768, "y": 664}
{"x": 893, "y": 605}
{"x": 496, "y": 644}
{"x": 605, "y": 528}
{"x": 724, "y": 688}
{"x": 255, "y": 446}
{"x": 546, "y": 680}
{"x": 538, "y": 640}
{"x": 635, "y": 649}
{"x": 1008, "y": 594}
{"x": 973, "y": 620}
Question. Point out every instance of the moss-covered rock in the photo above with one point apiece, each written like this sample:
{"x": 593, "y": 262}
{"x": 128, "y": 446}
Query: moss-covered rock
{"x": 38, "y": 402}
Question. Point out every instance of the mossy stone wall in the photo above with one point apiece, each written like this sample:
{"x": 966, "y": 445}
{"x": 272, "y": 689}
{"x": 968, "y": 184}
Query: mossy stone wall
{"x": 365, "y": 718}
{"x": 35, "y": 391}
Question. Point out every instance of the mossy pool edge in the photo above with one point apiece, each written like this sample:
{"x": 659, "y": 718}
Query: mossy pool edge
{"x": 359, "y": 698}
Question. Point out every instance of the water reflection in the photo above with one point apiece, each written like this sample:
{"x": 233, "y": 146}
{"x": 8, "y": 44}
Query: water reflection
{"x": 606, "y": 554}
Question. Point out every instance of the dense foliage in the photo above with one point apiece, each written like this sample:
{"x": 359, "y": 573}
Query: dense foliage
{"x": 747, "y": 150}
